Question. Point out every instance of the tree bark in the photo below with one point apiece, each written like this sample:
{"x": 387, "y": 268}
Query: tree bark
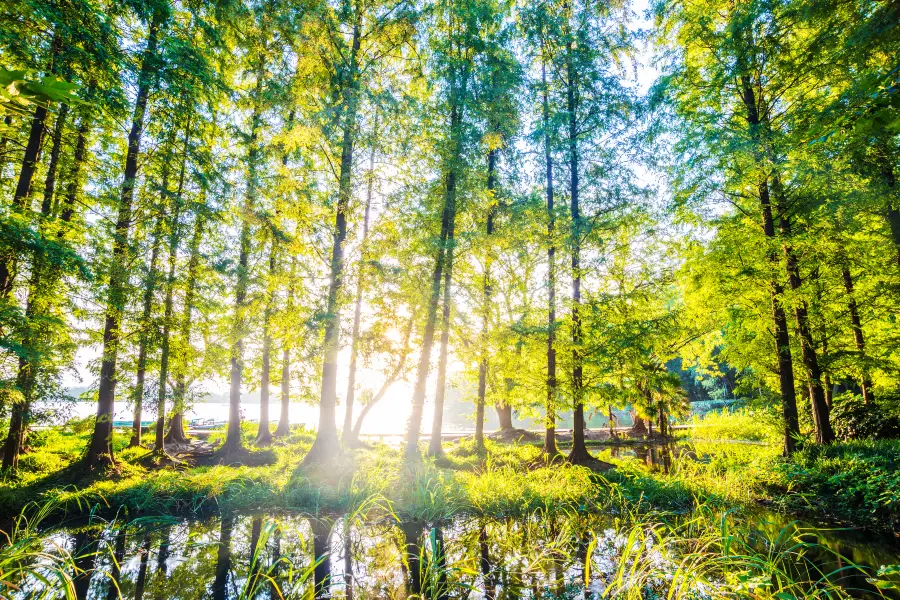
{"x": 550, "y": 448}
{"x": 865, "y": 383}
{"x": 325, "y": 446}
{"x": 357, "y": 310}
{"x": 99, "y": 453}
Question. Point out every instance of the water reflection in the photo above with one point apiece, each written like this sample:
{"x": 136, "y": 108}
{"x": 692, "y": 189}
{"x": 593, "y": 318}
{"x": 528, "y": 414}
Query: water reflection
{"x": 295, "y": 556}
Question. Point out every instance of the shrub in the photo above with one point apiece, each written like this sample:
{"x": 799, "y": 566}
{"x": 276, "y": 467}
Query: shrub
{"x": 853, "y": 419}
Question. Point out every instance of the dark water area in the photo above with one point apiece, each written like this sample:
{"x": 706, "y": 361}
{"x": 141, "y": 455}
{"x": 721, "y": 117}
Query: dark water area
{"x": 340, "y": 556}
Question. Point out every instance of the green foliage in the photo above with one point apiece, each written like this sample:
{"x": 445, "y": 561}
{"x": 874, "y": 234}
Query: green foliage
{"x": 856, "y": 420}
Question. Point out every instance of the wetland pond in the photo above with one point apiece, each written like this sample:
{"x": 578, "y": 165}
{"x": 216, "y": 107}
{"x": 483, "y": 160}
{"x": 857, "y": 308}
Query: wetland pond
{"x": 544, "y": 555}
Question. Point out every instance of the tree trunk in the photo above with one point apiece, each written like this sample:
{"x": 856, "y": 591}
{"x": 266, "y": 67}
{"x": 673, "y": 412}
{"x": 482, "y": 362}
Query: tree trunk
{"x": 99, "y": 453}
{"x": 504, "y": 415}
{"x": 824, "y": 432}
{"x": 284, "y": 426}
{"x": 325, "y": 446}
{"x": 144, "y": 337}
{"x": 22, "y": 195}
{"x": 30, "y": 160}
{"x": 418, "y": 399}
{"x": 486, "y": 310}
{"x": 437, "y": 422}
{"x": 4, "y": 141}
{"x": 893, "y": 209}
{"x": 78, "y": 159}
{"x": 233, "y": 441}
{"x": 782, "y": 338}
{"x": 160, "y": 446}
{"x": 550, "y": 448}
{"x": 264, "y": 435}
{"x": 52, "y": 165}
{"x": 457, "y": 87}
{"x": 43, "y": 279}
{"x": 357, "y": 310}
{"x": 865, "y": 381}
{"x": 176, "y": 433}
{"x": 579, "y": 453}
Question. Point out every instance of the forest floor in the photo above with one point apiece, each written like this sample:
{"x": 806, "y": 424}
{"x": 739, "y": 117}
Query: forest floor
{"x": 854, "y": 483}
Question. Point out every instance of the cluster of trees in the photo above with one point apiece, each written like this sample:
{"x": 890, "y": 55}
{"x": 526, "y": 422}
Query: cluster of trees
{"x": 245, "y": 189}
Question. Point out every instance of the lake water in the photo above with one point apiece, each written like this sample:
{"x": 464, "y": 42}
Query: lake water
{"x": 336, "y": 556}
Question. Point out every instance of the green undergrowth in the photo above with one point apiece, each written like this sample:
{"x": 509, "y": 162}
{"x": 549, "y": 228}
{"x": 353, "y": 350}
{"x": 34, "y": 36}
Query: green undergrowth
{"x": 856, "y": 483}
{"x": 745, "y": 424}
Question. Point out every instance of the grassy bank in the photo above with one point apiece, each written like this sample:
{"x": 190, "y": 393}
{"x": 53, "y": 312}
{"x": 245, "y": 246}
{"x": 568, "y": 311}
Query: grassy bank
{"x": 853, "y": 483}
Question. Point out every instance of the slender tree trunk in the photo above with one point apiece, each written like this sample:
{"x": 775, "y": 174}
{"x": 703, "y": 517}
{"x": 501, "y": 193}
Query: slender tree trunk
{"x": 31, "y": 158}
{"x": 865, "y": 382}
{"x": 782, "y": 338}
{"x": 893, "y": 208}
{"x": 144, "y": 335}
{"x": 78, "y": 159}
{"x": 53, "y": 164}
{"x": 99, "y": 452}
{"x": 550, "y": 448}
{"x": 440, "y": 393}
{"x": 22, "y": 195}
{"x": 486, "y": 305}
{"x": 579, "y": 453}
{"x": 824, "y": 432}
{"x": 325, "y": 446}
{"x": 233, "y": 441}
{"x": 284, "y": 426}
{"x": 4, "y": 141}
{"x": 443, "y": 261}
{"x": 176, "y": 433}
{"x": 357, "y": 310}
{"x": 174, "y": 231}
{"x": 264, "y": 435}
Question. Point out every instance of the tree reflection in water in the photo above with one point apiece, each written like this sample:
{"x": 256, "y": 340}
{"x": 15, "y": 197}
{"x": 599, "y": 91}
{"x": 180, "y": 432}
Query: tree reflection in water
{"x": 544, "y": 555}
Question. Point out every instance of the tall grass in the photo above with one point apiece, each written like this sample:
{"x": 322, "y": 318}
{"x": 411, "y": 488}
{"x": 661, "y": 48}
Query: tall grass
{"x": 28, "y": 565}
